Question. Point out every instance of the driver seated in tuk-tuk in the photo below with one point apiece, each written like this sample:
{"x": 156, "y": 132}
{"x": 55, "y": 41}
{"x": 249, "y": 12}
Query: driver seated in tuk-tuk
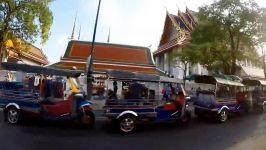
{"x": 180, "y": 100}
{"x": 177, "y": 100}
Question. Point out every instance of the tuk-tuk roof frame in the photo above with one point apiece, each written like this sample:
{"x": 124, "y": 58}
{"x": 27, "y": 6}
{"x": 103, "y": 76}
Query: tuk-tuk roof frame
{"x": 207, "y": 79}
{"x": 254, "y": 82}
{"x": 133, "y": 76}
{"x": 39, "y": 69}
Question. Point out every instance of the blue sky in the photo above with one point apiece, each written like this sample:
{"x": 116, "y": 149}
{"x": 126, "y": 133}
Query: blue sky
{"x": 131, "y": 22}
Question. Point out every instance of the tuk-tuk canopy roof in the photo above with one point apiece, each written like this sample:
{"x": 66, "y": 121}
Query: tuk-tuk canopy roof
{"x": 171, "y": 80}
{"x": 254, "y": 82}
{"x": 124, "y": 75}
{"x": 38, "y": 69}
{"x": 206, "y": 79}
{"x": 192, "y": 77}
{"x": 228, "y": 77}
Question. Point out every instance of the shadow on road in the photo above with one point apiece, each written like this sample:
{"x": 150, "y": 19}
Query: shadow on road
{"x": 199, "y": 134}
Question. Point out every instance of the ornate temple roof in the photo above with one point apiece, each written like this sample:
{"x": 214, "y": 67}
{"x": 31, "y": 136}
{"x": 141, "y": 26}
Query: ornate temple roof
{"x": 183, "y": 23}
{"x": 107, "y": 56}
{"x": 34, "y": 55}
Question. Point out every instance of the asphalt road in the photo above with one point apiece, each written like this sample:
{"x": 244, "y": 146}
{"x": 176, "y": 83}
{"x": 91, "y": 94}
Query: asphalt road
{"x": 198, "y": 135}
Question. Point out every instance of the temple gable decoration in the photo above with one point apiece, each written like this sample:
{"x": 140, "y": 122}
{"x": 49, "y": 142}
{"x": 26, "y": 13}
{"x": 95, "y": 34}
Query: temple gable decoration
{"x": 183, "y": 23}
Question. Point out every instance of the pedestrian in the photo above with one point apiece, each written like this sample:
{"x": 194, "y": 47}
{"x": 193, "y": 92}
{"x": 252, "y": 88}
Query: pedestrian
{"x": 167, "y": 92}
{"x": 180, "y": 101}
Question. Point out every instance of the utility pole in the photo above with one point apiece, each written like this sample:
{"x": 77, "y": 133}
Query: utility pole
{"x": 90, "y": 58}
{"x": 263, "y": 61}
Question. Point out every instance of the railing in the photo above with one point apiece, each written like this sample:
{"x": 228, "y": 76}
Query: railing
{"x": 19, "y": 95}
{"x": 132, "y": 103}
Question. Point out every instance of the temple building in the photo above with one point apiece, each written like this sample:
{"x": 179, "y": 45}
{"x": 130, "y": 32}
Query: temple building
{"x": 32, "y": 55}
{"x": 107, "y": 57}
{"x": 249, "y": 69}
{"x": 176, "y": 34}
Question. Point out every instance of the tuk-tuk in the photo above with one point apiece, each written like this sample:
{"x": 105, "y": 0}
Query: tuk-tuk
{"x": 137, "y": 97}
{"x": 218, "y": 97}
{"x": 47, "y": 93}
{"x": 256, "y": 90}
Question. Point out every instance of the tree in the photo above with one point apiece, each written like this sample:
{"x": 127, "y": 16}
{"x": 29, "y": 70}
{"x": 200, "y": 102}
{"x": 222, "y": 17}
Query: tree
{"x": 185, "y": 56}
{"x": 227, "y": 29}
{"x": 24, "y": 20}
{"x": 261, "y": 40}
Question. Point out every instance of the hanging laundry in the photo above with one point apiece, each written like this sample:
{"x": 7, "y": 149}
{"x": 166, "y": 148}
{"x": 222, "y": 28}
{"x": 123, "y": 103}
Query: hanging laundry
{"x": 37, "y": 81}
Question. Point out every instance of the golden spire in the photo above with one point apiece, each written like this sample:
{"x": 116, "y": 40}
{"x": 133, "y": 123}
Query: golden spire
{"x": 166, "y": 10}
{"x": 108, "y": 39}
{"x": 74, "y": 26}
{"x": 79, "y": 32}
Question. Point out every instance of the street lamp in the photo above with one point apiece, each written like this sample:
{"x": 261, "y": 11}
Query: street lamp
{"x": 90, "y": 58}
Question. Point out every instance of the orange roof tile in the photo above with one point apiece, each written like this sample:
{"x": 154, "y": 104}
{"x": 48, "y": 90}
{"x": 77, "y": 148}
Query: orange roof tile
{"x": 109, "y": 52}
{"x": 37, "y": 53}
{"x": 108, "y": 56}
{"x": 34, "y": 54}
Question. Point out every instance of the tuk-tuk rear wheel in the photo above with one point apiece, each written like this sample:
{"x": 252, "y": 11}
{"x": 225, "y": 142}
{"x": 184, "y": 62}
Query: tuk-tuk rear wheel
{"x": 223, "y": 116}
{"x": 127, "y": 124}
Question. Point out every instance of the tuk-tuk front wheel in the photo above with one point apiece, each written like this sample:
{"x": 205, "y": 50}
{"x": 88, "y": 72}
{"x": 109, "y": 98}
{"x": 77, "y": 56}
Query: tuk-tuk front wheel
{"x": 264, "y": 108}
{"x": 223, "y": 116}
{"x": 87, "y": 119}
{"x": 127, "y": 124}
{"x": 12, "y": 115}
{"x": 185, "y": 119}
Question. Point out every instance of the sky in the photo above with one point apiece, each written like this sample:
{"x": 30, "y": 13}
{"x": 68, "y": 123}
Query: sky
{"x": 131, "y": 22}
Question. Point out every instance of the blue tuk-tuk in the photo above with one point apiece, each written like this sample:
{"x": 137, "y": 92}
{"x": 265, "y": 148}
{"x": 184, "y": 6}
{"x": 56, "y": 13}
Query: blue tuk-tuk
{"x": 218, "y": 97}
{"x": 47, "y": 93}
{"x": 256, "y": 93}
{"x": 141, "y": 99}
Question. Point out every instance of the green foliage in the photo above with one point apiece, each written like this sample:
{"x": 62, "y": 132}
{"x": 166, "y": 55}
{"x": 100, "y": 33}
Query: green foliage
{"x": 25, "y": 20}
{"x": 227, "y": 32}
{"x": 189, "y": 55}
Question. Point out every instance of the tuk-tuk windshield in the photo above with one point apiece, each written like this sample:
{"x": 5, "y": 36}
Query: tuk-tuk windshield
{"x": 227, "y": 91}
{"x": 205, "y": 87}
{"x": 258, "y": 90}
{"x": 206, "y": 96}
